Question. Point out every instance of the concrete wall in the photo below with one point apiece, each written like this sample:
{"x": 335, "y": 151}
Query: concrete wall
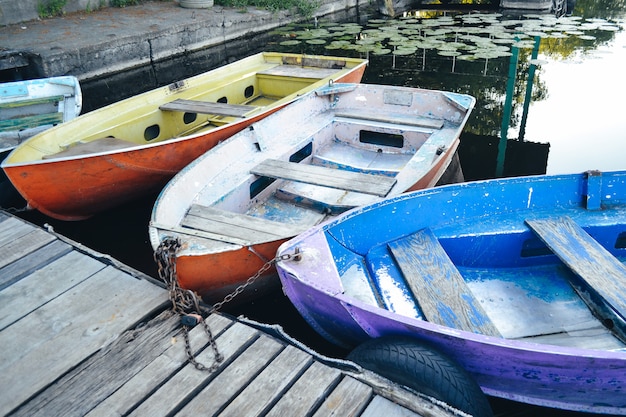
{"x": 119, "y": 52}
{"x": 18, "y": 11}
{"x": 90, "y": 46}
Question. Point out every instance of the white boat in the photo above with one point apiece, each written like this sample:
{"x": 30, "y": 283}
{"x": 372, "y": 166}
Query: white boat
{"x": 32, "y": 106}
{"x": 344, "y": 146}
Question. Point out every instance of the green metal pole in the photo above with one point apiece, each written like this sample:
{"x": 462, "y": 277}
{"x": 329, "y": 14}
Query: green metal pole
{"x": 506, "y": 116}
{"x": 529, "y": 89}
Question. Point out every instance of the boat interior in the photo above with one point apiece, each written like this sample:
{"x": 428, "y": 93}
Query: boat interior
{"x": 345, "y": 163}
{"x": 199, "y": 113}
{"x": 503, "y": 280}
{"x": 202, "y": 103}
{"x": 356, "y": 160}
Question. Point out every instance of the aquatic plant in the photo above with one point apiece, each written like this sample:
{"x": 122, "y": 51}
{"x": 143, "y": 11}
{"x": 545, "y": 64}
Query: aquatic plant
{"x": 470, "y": 37}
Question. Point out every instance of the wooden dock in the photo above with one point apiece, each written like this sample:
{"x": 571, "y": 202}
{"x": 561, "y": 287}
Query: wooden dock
{"x": 83, "y": 335}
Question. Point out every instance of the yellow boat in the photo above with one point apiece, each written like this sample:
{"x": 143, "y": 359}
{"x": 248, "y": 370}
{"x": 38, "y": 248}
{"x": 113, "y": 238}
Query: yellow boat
{"x": 133, "y": 147}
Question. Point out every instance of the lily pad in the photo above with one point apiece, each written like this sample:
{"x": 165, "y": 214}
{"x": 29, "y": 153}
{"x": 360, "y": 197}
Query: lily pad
{"x": 404, "y": 51}
{"x": 504, "y": 41}
{"x": 449, "y": 53}
{"x": 609, "y": 28}
{"x": 366, "y": 41}
{"x": 537, "y": 33}
{"x": 290, "y": 42}
{"x": 524, "y": 44}
{"x": 366, "y": 48}
{"x": 352, "y": 29}
{"x": 467, "y": 57}
{"x": 486, "y": 54}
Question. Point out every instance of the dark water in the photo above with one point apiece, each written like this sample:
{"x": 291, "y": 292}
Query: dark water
{"x": 573, "y": 120}
{"x": 572, "y": 100}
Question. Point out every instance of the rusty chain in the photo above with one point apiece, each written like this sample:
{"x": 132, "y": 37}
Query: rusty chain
{"x": 185, "y": 302}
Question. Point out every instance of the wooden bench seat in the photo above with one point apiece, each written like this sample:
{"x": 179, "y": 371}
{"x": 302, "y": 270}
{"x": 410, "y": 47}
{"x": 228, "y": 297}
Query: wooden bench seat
{"x": 395, "y": 119}
{"x": 366, "y": 160}
{"x": 106, "y": 144}
{"x": 297, "y": 71}
{"x": 206, "y": 107}
{"x": 29, "y": 122}
{"x": 379, "y": 185}
{"x": 41, "y": 111}
{"x": 320, "y": 204}
{"x": 602, "y": 276}
{"x": 235, "y": 228}
{"x": 54, "y": 100}
{"x": 437, "y": 285}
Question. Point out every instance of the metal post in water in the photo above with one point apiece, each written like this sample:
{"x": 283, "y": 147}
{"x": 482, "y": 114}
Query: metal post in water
{"x": 506, "y": 116}
{"x": 529, "y": 88}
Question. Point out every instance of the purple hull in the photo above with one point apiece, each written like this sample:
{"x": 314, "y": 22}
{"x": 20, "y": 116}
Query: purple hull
{"x": 551, "y": 349}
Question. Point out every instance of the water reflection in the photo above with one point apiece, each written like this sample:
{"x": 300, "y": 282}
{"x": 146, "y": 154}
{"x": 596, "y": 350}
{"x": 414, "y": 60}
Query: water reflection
{"x": 588, "y": 131}
{"x": 563, "y": 95}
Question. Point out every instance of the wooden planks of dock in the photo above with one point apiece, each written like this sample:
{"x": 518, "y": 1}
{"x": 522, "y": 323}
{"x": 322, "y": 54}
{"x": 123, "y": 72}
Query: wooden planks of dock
{"x": 82, "y": 335}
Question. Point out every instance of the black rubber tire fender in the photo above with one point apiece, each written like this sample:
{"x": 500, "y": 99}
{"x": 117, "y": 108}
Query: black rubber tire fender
{"x": 423, "y": 368}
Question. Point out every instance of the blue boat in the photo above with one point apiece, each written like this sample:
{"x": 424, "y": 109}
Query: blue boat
{"x": 519, "y": 284}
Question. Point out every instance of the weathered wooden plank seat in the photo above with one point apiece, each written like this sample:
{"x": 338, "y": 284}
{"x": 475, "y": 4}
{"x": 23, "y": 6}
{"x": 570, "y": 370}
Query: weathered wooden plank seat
{"x": 234, "y": 227}
{"x": 366, "y": 160}
{"x": 321, "y": 203}
{"x": 93, "y": 146}
{"x": 602, "y": 277}
{"x": 328, "y": 177}
{"x": 395, "y": 119}
{"x": 437, "y": 285}
{"x": 297, "y": 71}
{"x": 45, "y": 111}
{"x": 28, "y": 122}
{"x": 32, "y": 102}
{"x": 206, "y": 107}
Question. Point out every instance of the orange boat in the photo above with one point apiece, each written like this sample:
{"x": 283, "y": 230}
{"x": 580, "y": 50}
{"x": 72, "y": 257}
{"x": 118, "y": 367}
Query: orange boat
{"x": 133, "y": 147}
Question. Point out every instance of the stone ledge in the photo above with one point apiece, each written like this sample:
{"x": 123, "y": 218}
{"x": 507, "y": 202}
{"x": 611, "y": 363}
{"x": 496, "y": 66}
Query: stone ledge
{"x": 111, "y": 40}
